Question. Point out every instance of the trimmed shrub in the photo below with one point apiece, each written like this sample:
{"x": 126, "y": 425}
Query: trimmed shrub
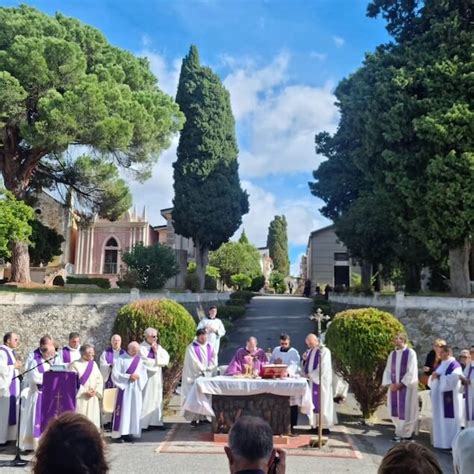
{"x": 210, "y": 283}
{"x": 360, "y": 341}
{"x": 242, "y": 295}
{"x": 241, "y": 281}
{"x": 230, "y": 312}
{"x": 258, "y": 283}
{"x": 236, "y": 302}
{"x": 100, "y": 282}
{"x": 176, "y": 328}
{"x": 191, "y": 282}
{"x": 277, "y": 282}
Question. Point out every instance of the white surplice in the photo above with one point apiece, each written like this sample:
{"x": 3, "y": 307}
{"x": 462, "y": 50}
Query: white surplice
{"x": 403, "y": 428}
{"x": 328, "y": 414}
{"x": 152, "y": 411}
{"x": 291, "y": 358}
{"x": 86, "y": 405}
{"x": 195, "y": 367}
{"x": 7, "y": 372}
{"x": 213, "y": 338}
{"x": 469, "y": 396}
{"x": 28, "y": 413}
{"x": 105, "y": 367}
{"x": 75, "y": 355}
{"x": 445, "y": 429}
{"x": 132, "y": 396}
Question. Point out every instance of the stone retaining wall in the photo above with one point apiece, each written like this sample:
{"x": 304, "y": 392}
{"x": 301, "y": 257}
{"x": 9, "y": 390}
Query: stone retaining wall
{"x": 425, "y": 318}
{"x": 32, "y": 315}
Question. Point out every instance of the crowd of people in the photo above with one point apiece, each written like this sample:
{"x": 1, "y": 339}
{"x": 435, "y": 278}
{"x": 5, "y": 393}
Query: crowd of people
{"x": 135, "y": 374}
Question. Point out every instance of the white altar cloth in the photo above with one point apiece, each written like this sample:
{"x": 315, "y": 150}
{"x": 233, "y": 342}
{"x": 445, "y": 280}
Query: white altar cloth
{"x": 199, "y": 399}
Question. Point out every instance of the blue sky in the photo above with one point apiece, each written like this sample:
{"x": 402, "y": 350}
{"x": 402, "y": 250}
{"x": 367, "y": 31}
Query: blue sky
{"x": 280, "y": 60}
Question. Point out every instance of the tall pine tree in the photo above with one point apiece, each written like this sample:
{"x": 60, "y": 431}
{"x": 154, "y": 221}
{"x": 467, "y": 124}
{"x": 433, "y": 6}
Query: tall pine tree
{"x": 209, "y": 202}
{"x": 277, "y": 243}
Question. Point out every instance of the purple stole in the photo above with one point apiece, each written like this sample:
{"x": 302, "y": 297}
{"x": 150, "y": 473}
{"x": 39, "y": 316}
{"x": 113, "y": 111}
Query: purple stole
{"x": 448, "y": 397}
{"x": 39, "y": 400}
{"x": 151, "y": 354}
{"x": 13, "y": 390}
{"x": 315, "y": 391}
{"x": 468, "y": 400}
{"x": 109, "y": 357}
{"x": 398, "y": 398}
{"x": 87, "y": 373}
{"x": 118, "y": 404}
{"x": 66, "y": 355}
{"x": 197, "y": 350}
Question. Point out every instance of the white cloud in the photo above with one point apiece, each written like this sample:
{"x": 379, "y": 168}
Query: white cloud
{"x": 338, "y": 41}
{"x": 166, "y": 73}
{"x": 295, "y": 266}
{"x": 318, "y": 56}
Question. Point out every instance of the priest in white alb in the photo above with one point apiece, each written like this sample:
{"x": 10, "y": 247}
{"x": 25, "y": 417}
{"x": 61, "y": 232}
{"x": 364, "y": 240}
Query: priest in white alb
{"x": 9, "y": 387}
{"x": 401, "y": 378}
{"x": 108, "y": 358}
{"x": 91, "y": 385}
{"x": 215, "y": 329}
{"x": 130, "y": 376}
{"x": 154, "y": 357}
{"x": 468, "y": 384}
{"x": 200, "y": 360}
{"x": 30, "y": 429}
{"x": 70, "y": 353}
{"x": 318, "y": 358}
{"x": 446, "y": 400}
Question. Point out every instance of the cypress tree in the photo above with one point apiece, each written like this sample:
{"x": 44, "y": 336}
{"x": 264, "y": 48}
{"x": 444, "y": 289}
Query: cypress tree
{"x": 209, "y": 203}
{"x": 277, "y": 243}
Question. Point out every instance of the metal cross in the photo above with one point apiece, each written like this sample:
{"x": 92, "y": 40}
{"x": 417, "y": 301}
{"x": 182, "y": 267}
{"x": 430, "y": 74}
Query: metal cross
{"x": 319, "y": 316}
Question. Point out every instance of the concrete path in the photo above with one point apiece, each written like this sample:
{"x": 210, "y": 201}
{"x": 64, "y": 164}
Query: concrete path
{"x": 266, "y": 318}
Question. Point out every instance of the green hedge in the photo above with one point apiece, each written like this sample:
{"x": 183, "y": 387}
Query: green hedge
{"x": 236, "y": 302}
{"x": 230, "y": 312}
{"x": 100, "y": 282}
{"x": 242, "y": 295}
{"x": 175, "y": 325}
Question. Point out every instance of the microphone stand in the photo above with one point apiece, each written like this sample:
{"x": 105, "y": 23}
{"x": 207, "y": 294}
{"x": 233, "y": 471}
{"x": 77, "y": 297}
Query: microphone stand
{"x": 18, "y": 461}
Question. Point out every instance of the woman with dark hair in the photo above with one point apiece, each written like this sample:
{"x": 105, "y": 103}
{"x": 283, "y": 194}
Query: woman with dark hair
{"x": 72, "y": 444}
{"x": 409, "y": 458}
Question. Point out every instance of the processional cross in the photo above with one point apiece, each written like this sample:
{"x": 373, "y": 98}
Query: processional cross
{"x": 319, "y": 317}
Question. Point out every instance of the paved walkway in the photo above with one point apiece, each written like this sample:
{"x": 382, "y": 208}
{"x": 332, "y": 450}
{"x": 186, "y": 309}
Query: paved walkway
{"x": 266, "y": 318}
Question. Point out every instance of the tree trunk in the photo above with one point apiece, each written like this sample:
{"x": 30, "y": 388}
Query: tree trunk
{"x": 366, "y": 274}
{"x": 459, "y": 269}
{"x": 20, "y": 262}
{"x": 202, "y": 258}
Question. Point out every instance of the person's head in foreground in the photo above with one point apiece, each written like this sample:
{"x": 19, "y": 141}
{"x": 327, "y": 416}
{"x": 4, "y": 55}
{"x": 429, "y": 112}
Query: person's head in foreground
{"x": 251, "y": 447}
{"x": 463, "y": 452}
{"x": 72, "y": 444}
{"x": 409, "y": 458}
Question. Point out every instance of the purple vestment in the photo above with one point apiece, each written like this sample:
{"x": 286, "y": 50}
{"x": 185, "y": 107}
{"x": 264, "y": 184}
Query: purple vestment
{"x": 236, "y": 365}
{"x": 13, "y": 391}
{"x": 109, "y": 357}
{"x": 398, "y": 398}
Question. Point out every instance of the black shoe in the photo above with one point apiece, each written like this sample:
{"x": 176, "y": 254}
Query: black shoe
{"x": 409, "y": 439}
{"x": 118, "y": 440}
{"x": 326, "y": 431}
{"x": 396, "y": 438}
{"x": 129, "y": 439}
{"x": 161, "y": 428}
{"x": 194, "y": 423}
{"x": 205, "y": 422}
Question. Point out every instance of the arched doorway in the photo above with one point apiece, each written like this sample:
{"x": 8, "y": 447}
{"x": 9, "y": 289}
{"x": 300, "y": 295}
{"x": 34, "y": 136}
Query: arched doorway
{"x": 111, "y": 255}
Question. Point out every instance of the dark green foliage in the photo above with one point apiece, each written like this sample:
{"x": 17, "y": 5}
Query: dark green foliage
{"x": 241, "y": 281}
{"x": 277, "y": 282}
{"x": 45, "y": 243}
{"x": 176, "y": 328}
{"x": 242, "y": 295}
{"x": 277, "y": 243}
{"x": 400, "y": 171}
{"x": 128, "y": 279}
{"x": 258, "y": 283}
{"x": 360, "y": 341}
{"x": 210, "y": 283}
{"x": 153, "y": 265}
{"x": 209, "y": 202}
{"x": 191, "y": 282}
{"x": 103, "y": 283}
{"x": 236, "y": 302}
{"x": 230, "y": 312}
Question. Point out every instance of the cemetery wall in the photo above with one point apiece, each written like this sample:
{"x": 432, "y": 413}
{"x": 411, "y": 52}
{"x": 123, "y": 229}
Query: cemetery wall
{"x": 425, "y": 318}
{"x": 32, "y": 315}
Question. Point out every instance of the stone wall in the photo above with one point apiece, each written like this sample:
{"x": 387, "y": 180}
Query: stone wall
{"x": 425, "y": 318}
{"x": 32, "y": 315}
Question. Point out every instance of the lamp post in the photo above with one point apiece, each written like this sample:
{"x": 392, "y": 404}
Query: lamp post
{"x": 319, "y": 316}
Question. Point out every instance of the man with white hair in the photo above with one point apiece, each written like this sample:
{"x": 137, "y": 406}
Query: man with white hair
{"x": 401, "y": 377}
{"x": 154, "y": 357}
{"x": 108, "y": 358}
{"x": 130, "y": 376}
{"x": 315, "y": 360}
{"x": 463, "y": 452}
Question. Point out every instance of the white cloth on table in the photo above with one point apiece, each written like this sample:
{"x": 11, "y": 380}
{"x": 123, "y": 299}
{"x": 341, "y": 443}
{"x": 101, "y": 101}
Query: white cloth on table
{"x": 152, "y": 410}
{"x": 403, "y": 427}
{"x": 446, "y": 428}
{"x": 213, "y": 338}
{"x": 132, "y": 396}
{"x": 199, "y": 399}
{"x": 86, "y": 405}
{"x": 469, "y": 396}
{"x": 7, "y": 372}
{"x": 292, "y": 359}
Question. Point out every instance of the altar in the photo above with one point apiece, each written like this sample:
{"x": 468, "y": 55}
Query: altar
{"x": 225, "y": 398}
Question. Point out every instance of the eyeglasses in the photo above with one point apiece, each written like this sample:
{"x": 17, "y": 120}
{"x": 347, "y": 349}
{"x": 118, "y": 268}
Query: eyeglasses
{"x": 153, "y": 337}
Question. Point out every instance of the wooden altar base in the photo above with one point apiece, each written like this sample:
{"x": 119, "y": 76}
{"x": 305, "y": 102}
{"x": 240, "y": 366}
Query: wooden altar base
{"x": 275, "y": 409}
